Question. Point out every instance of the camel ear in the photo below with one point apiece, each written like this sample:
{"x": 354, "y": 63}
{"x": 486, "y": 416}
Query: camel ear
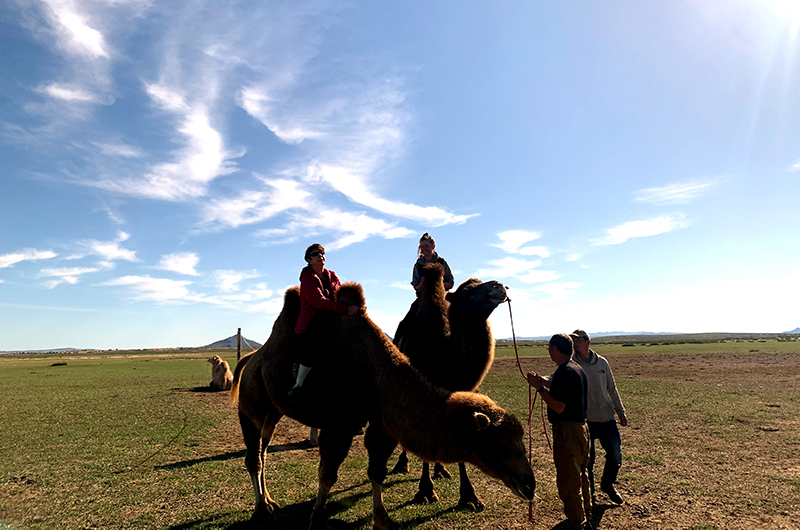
{"x": 482, "y": 421}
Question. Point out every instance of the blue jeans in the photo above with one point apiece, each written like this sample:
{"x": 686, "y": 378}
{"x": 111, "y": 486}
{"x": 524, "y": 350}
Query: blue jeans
{"x": 608, "y": 434}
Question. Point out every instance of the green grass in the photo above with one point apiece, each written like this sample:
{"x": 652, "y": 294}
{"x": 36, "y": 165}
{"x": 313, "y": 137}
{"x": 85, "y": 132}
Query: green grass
{"x": 119, "y": 440}
{"x": 539, "y": 348}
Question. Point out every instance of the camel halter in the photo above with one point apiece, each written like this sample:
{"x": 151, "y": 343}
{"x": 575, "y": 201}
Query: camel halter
{"x": 531, "y": 402}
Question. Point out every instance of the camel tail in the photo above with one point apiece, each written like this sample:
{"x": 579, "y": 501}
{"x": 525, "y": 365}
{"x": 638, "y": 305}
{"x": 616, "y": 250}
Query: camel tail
{"x": 237, "y": 374}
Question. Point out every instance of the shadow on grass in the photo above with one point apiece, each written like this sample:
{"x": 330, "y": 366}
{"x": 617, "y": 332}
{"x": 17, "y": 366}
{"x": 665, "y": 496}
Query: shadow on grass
{"x": 195, "y": 461}
{"x": 598, "y": 511}
{"x": 298, "y": 515}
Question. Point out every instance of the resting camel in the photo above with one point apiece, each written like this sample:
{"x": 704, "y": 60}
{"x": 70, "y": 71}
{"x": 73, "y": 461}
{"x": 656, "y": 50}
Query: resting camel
{"x": 450, "y": 342}
{"x": 365, "y": 379}
{"x": 221, "y": 375}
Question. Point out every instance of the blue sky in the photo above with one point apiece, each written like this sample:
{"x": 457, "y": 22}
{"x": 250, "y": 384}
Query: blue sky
{"x": 621, "y": 167}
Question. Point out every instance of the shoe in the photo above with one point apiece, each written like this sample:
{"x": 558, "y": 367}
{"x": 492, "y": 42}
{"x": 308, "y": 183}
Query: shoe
{"x": 612, "y": 493}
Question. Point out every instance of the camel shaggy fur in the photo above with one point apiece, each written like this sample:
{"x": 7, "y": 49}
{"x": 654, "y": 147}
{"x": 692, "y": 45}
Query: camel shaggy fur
{"x": 221, "y": 375}
{"x": 364, "y": 379}
{"x": 450, "y": 342}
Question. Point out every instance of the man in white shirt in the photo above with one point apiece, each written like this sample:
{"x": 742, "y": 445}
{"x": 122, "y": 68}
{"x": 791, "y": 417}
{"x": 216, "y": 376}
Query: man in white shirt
{"x": 603, "y": 402}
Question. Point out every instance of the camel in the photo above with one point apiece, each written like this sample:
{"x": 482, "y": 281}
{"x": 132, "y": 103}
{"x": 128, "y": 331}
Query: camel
{"x": 364, "y": 379}
{"x": 450, "y": 342}
{"x": 221, "y": 375}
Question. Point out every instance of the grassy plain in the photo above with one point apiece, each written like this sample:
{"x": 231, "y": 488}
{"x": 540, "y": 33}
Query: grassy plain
{"x": 133, "y": 440}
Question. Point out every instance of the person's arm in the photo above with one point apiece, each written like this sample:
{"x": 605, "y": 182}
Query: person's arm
{"x": 311, "y": 293}
{"x": 415, "y": 277}
{"x": 448, "y": 279}
{"x": 613, "y": 394}
{"x": 538, "y": 382}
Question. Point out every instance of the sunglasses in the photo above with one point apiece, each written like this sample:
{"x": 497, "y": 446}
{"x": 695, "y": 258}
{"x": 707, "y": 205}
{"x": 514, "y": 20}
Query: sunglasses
{"x": 316, "y": 253}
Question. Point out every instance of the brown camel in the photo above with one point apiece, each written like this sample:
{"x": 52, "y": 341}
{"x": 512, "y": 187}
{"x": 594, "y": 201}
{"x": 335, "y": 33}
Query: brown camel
{"x": 221, "y": 375}
{"x": 450, "y": 342}
{"x": 365, "y": 379}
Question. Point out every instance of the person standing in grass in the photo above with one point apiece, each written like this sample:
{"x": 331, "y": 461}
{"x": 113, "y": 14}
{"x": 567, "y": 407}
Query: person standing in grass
{"x": 565, "y": 395}
{"x": 603, "y": 401}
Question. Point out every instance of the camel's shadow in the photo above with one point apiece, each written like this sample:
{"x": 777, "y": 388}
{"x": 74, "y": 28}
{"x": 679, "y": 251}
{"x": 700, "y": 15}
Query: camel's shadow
{"x": 216, "y": 458}
{"x": 294, "y": 446}
{"x": 297, "y": 515}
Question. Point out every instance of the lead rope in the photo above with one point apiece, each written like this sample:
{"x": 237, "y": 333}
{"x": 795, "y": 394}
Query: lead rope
{"x": 531, "y": 403}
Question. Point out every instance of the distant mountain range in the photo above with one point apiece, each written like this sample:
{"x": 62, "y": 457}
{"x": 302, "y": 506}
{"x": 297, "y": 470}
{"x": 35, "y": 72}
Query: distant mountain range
{"x": 230, "y": 342}
{"x": 599, "y": 334}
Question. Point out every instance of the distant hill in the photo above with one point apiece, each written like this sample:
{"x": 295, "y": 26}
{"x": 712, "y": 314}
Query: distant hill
{"x": 795, "y": 330}
{"x": 230, "y": 342}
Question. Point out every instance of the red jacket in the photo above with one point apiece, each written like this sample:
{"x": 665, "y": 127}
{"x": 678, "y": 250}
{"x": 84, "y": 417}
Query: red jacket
{"x": 314, "y": 297}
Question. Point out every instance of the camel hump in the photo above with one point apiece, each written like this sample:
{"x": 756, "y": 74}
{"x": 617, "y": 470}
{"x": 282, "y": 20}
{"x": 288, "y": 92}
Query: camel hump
{"x": 350, "y": 293}
{"x": 433, "y": 271}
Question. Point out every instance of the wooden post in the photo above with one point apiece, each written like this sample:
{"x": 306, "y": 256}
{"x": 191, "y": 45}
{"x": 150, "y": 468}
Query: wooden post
{"x": 239, "y": 344}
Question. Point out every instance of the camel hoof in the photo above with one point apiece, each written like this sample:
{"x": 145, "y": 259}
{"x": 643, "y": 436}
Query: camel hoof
{"x": 439, "y": 471}
{"x": 473, "y": 505}
{"x": 264, "y": 514}
{"x": 425, "y": 498}
{"x": 399, "y": 468}
{"x": 319, "y": 520}
{"x": 385, "y": 523}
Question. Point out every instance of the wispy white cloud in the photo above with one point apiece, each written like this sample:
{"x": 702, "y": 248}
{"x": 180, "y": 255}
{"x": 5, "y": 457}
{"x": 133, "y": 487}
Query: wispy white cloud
{"x": 228, "y": 281}
{"x": 155, "y": 289}
{"x": 523, "y": 270}
{"x": 354, "y": 186}
{"x": 645, "y": 228}
{"x": 110, "y": 250}
{"x": 254, "y": 206}
{"x": 349, "y": 132}
{"x": 70, "y": 275}
{"x": 202, "y": 158}
{"x": 118, "y": 149}
{"x": 257, "y": 298}
{"x": 259, "y": 104}
{"x": 74, "y": 30}
{"x": 677, "y": 193}
{"x": 795, "y": 166}
{"x": 347, "y": 228}
{"x": 512, "y": 241}
{"x": 69, "y": 93}
{"x": 180, "y": 262}
{"x": 28, "y": 254}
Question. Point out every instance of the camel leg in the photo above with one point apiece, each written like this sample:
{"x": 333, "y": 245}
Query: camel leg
{"x": 425, "y": 494}
{"x": 257, "y": 441}
{"x": 468, "y": 500}
{"x": 333, "y": 448}
{"x": 402, "y": 464}
{"x": 439, "y": 471}
{"x": 379, "y": 447}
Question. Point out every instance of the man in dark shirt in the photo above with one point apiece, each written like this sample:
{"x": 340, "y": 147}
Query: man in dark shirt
{"x": 565, "y": 395}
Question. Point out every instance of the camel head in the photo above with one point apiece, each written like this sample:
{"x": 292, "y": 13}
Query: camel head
{"x": 496, "y": 443}
{"x": 215, "y": 360}
{"x": 351, "y": 293}
{"x": 477, "y": 298}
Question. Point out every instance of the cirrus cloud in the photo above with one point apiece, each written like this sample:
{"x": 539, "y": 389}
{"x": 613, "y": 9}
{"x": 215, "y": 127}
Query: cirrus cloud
{"x": 644, "y": 228}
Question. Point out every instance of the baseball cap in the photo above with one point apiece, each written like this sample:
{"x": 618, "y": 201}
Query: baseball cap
{"x": 580, "y": 334}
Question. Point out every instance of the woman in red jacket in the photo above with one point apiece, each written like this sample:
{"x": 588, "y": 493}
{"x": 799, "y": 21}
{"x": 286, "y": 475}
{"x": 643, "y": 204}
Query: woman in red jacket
{"x": 318, "y": 306}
